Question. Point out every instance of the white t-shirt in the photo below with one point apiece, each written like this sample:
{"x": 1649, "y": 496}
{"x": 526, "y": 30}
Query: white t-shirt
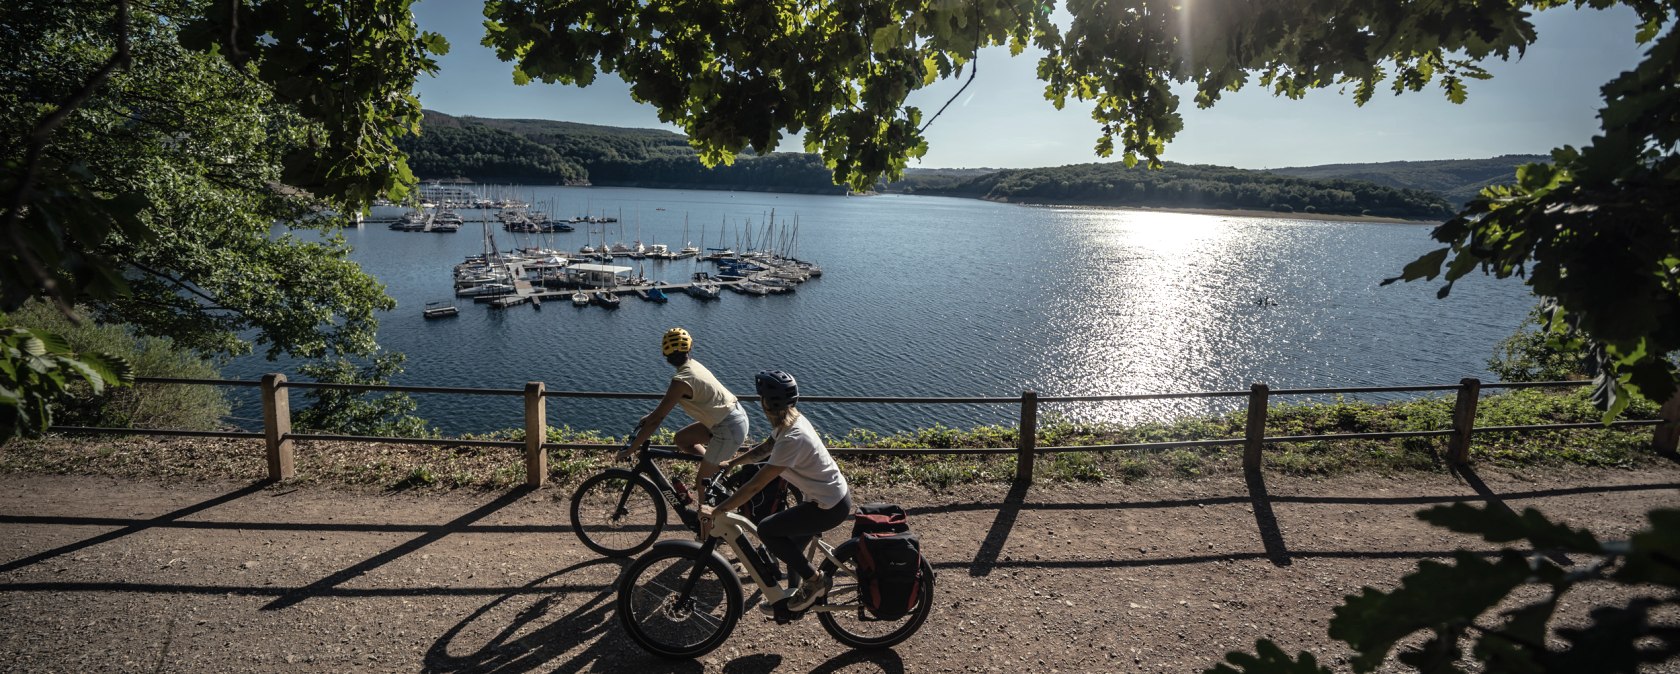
{"x": 800, "y": 451}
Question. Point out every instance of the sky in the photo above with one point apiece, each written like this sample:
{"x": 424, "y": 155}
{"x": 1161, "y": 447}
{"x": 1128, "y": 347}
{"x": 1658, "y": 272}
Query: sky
{"x": 1546, "y": 99}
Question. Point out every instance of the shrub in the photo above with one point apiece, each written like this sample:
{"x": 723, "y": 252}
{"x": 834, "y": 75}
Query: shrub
{"x": 141, "y": 406}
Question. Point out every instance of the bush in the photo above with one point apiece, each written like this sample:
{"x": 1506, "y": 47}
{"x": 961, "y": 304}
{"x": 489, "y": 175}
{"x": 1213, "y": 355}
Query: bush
{"x": 140, "y": 406}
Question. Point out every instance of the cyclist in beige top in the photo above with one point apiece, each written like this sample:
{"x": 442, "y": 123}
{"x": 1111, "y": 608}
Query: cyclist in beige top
{"x": 720, "y": 424}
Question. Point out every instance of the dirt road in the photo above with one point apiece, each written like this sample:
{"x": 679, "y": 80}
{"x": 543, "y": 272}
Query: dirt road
{"x": 104, "y": 575}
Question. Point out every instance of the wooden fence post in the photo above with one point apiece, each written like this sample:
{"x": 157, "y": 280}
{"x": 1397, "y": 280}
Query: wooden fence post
{"x": 536, "y": 431}
{"x": 1256, "y": 431}
{"x": 1464, "y": 420}
{"x": 277, "y": 427}
{"x": 1027, "y": 446}
{"x": 1665, "y": 437}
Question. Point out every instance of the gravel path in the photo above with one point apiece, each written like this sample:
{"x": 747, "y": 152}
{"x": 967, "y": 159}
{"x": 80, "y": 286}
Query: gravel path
{"x": 104, "y": 575}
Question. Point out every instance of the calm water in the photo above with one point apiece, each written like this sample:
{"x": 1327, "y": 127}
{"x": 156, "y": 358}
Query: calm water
{"x": 930, "y": 296}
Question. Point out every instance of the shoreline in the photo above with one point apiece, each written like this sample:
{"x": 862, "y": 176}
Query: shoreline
{"x": 1243, "y": 213}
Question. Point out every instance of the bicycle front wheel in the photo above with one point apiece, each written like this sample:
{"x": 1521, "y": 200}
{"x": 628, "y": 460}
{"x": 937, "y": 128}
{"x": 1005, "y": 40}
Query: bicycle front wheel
{"x": 854, "y": 627}
{"x": 655, "y": 612}
{"x": 617, "y": 513}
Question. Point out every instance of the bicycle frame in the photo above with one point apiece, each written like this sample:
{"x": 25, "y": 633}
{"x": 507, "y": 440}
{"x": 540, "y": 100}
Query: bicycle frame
{"x": 647, "y": 468}
{"x": 734, "y": 530}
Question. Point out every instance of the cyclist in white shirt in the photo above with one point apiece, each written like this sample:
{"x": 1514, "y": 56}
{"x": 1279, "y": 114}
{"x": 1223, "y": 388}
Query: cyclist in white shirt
{"x": 720, "y": 424}
{"x": 797, "y": 454}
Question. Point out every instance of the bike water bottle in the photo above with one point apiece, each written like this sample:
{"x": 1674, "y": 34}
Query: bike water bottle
{"x": 682, "y": 492}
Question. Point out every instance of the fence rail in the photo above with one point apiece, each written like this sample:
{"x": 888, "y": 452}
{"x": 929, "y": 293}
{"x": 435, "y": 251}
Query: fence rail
{"x": 278, "y": 437}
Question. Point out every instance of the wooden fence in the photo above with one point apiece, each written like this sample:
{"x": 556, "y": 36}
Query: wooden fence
{"x": 278, "y": 437}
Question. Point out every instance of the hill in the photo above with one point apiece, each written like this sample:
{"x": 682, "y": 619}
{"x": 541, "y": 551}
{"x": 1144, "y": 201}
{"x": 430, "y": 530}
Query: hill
{"x": 1178, "y": 186}
{"x": 546, "y": 151}
{"x": 1456, "y": 180}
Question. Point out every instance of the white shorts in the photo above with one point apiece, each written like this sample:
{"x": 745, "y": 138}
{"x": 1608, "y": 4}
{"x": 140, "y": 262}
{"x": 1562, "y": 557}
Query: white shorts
{"x": 727, "y": 436}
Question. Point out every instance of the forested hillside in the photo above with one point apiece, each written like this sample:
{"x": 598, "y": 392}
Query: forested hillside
{"x": 545, "y": 151}
{"x": 1179, "y": 186}
{"x": 1457, "y": 180}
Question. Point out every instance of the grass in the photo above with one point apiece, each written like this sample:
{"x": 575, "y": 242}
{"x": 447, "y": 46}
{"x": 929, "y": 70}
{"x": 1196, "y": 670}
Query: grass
{"x": 429, "y": 468}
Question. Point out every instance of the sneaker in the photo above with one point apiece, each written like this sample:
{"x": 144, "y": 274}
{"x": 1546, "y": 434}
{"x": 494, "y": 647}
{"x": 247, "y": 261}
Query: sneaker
{"x": 808, "y": 593}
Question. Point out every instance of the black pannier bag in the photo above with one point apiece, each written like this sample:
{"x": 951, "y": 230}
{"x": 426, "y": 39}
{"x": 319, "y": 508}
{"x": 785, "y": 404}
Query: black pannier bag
{"x": 772, "y": 499}
{"x": 889, "y": 561}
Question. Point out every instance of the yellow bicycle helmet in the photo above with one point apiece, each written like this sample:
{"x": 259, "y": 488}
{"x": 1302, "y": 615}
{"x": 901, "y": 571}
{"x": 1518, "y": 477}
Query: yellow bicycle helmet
{"x": 676, "y": 341}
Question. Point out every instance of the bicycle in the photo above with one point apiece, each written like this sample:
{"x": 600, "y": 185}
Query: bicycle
{"x": 617, "y": 513}
{"x": 682, "y": 599}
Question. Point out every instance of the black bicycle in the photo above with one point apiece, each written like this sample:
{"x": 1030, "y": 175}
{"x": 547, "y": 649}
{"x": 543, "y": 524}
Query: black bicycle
{"x": 621, "y": 512}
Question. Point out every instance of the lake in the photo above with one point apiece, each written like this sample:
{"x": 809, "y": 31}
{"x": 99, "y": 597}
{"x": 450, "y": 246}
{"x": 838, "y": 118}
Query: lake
{"x": 934, "y": 296}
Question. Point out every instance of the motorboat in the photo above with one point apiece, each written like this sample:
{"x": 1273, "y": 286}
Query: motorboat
{"x": 580, "y": 299}
{"x": 485, "y": 289}
{"x": 607, "y": 298}
{"x": 440, "y": 309}
{"x": 652, "y": 294}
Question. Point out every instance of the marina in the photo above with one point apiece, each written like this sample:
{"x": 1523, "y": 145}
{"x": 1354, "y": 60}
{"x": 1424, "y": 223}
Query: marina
{"x": 539, "y": 271}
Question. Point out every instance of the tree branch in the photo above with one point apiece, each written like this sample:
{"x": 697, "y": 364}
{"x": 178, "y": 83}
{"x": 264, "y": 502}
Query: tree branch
{"x": 19, "y": 198}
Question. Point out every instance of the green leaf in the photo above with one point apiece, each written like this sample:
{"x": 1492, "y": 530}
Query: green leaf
{"x": 1654, "y": 554}
{"x": 1425, "y": 267}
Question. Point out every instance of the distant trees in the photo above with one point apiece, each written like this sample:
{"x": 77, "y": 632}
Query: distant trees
{"x": 1186, "y": 186}
{"x": 528, "y": 150}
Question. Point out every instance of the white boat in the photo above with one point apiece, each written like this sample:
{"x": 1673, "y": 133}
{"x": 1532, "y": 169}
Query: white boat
{"x": 486, "y": 289}
{"x": 580, "y": 299}
{"x": 751, "y": 288}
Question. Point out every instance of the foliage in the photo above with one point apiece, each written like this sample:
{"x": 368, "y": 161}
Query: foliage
{"x": 1530, "y": 355}
{"x": 345, "y": 412}
{"x": 148, "y": 151}
{"x": 145, "y": 406}
{"x": 1596, "y": 233}
{"x": 1183, "y": 185}
{"x": 37, "y": 369}
{"x": 1501, "y": 610}
{"x": 739, "y": 76}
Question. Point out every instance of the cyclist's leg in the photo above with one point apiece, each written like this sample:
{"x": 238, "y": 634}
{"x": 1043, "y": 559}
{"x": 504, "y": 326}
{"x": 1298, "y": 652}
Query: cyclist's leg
{"x": 788, "y": 532}
{"x": 693, "y": 438}
{"x": 723, "y": 440}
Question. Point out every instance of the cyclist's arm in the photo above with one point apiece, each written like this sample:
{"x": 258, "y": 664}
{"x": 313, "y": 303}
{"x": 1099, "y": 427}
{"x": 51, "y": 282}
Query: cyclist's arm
{"x": 650, "y": 423}
{"x": 758, "y": 453}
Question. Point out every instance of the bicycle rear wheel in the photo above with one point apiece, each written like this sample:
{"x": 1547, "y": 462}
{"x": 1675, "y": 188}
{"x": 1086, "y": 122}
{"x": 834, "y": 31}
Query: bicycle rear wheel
{"x": 617, "y": 513}
{"x": 666, "y": 624}
{"x": 855, "y": 627}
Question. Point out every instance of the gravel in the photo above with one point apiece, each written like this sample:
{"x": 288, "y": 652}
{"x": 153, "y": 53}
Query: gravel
{"x": 99, "y": 574}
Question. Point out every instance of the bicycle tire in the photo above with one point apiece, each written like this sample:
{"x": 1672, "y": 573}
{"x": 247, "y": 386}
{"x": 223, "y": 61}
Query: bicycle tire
{"x": 654, "y": 620}
{"x": 852, "y": 629}
{"x": 608, "y": 530}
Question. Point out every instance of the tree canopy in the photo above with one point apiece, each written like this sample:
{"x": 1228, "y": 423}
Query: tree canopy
{"x": 150, "y": 151}
{"x": 1594, "y": 232}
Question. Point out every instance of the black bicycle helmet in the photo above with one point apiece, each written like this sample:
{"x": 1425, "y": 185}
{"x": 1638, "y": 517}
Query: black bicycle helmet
{"x": 777, "y": 388}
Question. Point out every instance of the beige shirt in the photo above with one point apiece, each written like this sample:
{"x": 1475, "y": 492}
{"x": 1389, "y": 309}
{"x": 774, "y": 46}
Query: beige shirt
{"x": 710, "y": 401}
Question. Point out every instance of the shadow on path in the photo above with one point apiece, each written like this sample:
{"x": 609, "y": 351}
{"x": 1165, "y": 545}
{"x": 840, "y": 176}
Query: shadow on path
{"x": 998, "y": 535}
{"x": 457, "y": 525}
{"x": 1270, "y": 535}
{"x": 1468, "y": 474}
{"x": 133, "y": 526}
{"x": 526, "y": 643}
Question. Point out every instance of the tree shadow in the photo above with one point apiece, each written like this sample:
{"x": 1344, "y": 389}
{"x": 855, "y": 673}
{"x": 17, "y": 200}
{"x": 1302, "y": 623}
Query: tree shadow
{"x": 1468, "y": 474}
{"x": 134, "y": 526}
{"x": 1270, "y": 535}
{"x": 434, "y": 534}
{"x": 992, "y": 546}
